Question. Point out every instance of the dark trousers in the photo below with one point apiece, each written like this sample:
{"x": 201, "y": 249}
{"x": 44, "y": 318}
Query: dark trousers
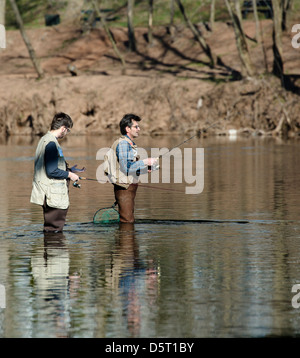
{"x": 125, "y": 200}
{"x": 54, "y": 219}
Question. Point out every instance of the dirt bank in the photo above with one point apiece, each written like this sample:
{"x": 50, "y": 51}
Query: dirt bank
{"x": 169, "y": 84}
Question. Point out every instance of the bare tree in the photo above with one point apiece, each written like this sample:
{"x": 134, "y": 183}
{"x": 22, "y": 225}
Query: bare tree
{"x": 286, "y": 6}
{"x": 172, "y": 11}
{"x": 26, "y": 39}
{"x": 259, "y": 33}
{"x": 234, "y": 10}
{"x": 131, "y": 36}
{"x": 197, "y": 35}
{"x": 109, "y": 34}
{"x": 277, "y": 43}
{"x": 2, "y": 12}
{"x": 150, "y": 22}
{"x": 212, "y": 14}
{"x": 255, "y": 13}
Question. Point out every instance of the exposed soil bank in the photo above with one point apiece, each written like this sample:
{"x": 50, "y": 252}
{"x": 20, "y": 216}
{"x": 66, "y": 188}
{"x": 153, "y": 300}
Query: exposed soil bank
{"x": 168, "y": 84}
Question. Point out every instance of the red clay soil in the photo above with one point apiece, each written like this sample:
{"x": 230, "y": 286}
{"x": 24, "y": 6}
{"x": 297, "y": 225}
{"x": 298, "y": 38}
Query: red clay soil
{"x": 169, "y": 84}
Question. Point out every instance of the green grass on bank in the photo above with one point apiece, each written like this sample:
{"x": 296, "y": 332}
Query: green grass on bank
{"x": 33, "y": 11}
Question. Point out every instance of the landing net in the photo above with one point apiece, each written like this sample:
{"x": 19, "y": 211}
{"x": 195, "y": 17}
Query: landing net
{"x": 107, "y": 215}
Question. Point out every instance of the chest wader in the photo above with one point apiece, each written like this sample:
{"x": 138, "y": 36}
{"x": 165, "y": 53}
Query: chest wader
{"x": 125, "y": 200}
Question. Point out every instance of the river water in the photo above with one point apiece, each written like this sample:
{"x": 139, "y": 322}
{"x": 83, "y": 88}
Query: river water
{"x": 229, "y": 275}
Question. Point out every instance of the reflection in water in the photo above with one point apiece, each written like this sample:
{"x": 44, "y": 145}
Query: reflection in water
{"x": 130, "y": 279}
{"x": 167, "y": 279}
{"x": 50, "y": 272}
{"x": 130, "y": 284}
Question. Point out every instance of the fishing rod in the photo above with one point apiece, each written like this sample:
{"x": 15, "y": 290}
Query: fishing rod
{"x": 156, "y": 166}
{"x": 187, "y": 140}
{"x": 77, "y": 185}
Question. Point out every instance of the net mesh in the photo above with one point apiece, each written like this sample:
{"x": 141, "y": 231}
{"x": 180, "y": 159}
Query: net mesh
{"x": 106, "y": 216}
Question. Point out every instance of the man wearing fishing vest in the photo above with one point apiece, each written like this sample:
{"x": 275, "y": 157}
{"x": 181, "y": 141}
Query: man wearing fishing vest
{"x": 123, "y": 167}
{"x": 52, "y": 175}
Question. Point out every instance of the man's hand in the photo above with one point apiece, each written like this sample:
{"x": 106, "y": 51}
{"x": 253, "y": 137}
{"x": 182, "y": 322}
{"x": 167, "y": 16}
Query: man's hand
{"x": 150, "y": 161}
{"x": 73, "y": 176}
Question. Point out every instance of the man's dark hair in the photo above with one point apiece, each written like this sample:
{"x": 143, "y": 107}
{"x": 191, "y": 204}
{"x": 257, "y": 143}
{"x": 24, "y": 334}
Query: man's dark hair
{"x": 126, "y": 121}
{"x": 61, "y": 119}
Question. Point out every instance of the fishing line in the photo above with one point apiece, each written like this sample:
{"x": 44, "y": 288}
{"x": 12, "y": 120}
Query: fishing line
{"x": 156, "y": 166}
{"x": 187, "y": 140}
{"x": 77, "y": 185}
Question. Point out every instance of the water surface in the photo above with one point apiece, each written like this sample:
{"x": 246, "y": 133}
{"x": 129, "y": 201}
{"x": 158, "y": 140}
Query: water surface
{"x": 156, "y": 279}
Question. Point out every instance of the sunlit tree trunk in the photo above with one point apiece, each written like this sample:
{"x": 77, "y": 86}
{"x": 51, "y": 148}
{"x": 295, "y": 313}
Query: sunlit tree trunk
{"x": 255, "y": 14}
{"x": 197, "y": 35}
{"x": 2, "y": 12}
{"x": 150, "y": 22}
{"x": 277, "y": 44}
{"x": 107, "y": 30}
{"x": 172, "y": 11}
{"x": 26, "y": 39}
{"x": 259, "y": 33}
{"x": 212, "y": 14}
{"x": 234, "y": 10}
{"x": 131, "y": 37}
{"x": 286, "y": 7}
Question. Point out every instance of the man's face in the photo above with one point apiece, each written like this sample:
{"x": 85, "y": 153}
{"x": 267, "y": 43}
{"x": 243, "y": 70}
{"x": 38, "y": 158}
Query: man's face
{"x": 64, "y": 131}
{"x": 133, "y": 132}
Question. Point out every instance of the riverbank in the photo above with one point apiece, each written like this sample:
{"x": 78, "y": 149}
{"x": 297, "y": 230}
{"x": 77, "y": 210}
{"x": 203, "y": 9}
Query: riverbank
{"x": 169, "y": 84}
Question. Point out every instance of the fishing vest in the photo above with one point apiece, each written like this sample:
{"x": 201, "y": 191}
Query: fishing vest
{"x": 55, "y": 190}
{"x": 112, "y": 167}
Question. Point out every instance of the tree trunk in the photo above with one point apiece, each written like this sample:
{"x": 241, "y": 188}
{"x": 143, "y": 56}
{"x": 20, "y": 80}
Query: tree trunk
{"x": 286, "y": 6}
{"x": 107, "y": 30}
{"x": 257, "y": 33}
{"x": 150, "y": 22}
{"x": 131, "y": 37}
{"x": 26, "y": 39}
{"x": 2, "y": 12}
{"x": 172, "y": 10}
{"x": 234, "y": 10}
{"x": 198, "y": 36}
{"x": 277, "y": 44}
{"x": 212, "y": 14}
